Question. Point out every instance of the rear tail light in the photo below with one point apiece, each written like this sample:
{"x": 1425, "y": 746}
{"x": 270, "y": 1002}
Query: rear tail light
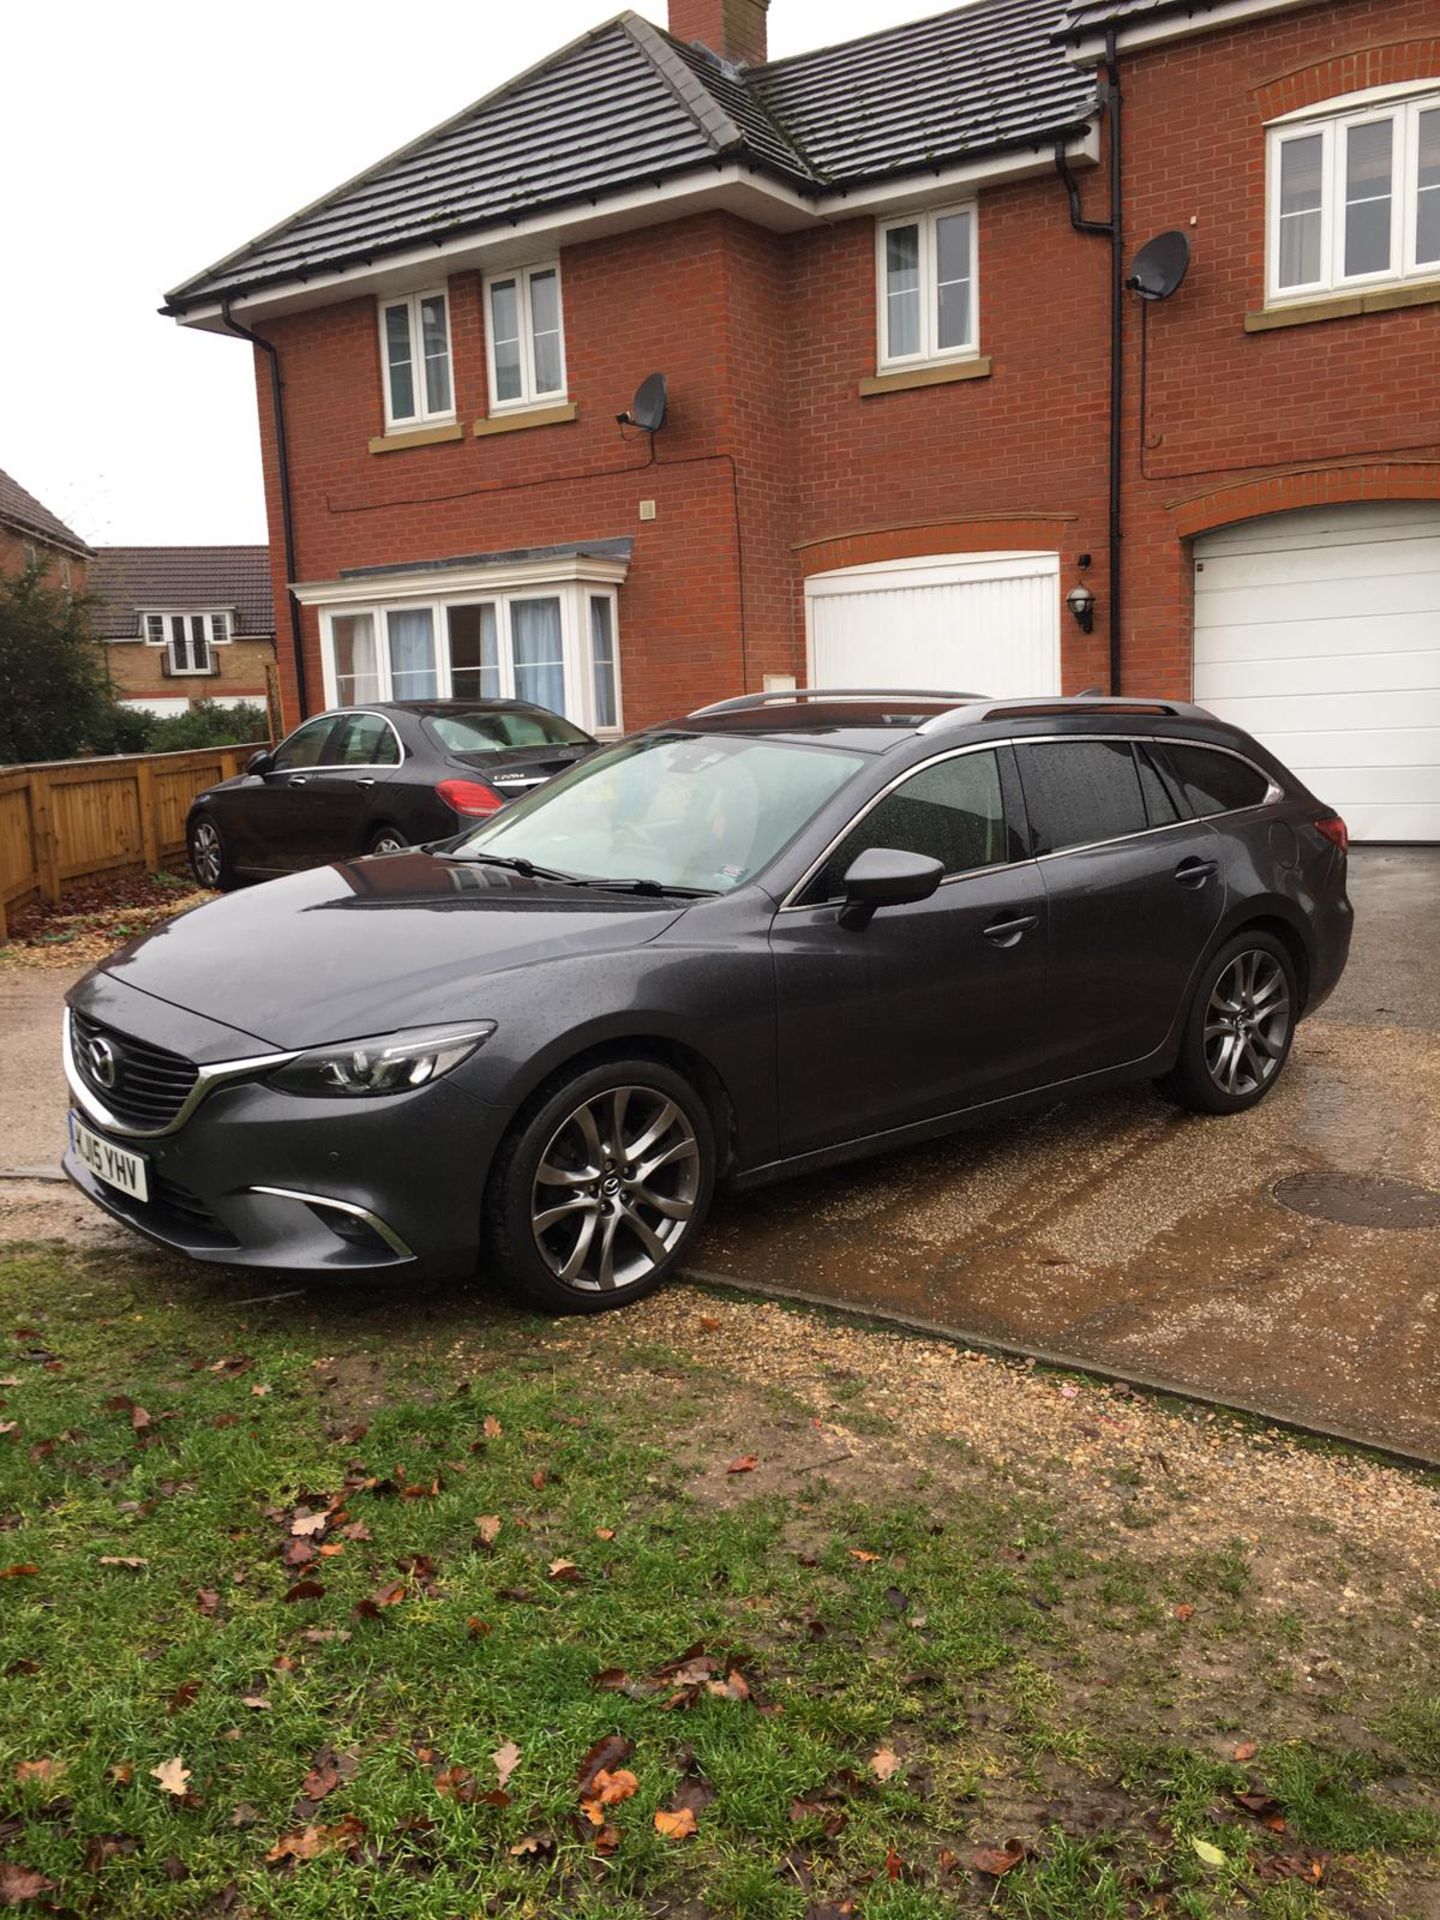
{"x": 1335, "y": 831}
{"x": 470, "y": 797}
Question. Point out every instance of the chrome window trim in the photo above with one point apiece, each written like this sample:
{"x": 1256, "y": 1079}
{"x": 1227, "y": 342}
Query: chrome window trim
{"x": 206, "y": 1081}
{"x": 1273, "y": 792}
{"x": 372, "y": 1220}
{"x": 361, "y": 766}
{"x": 791, "y": 904}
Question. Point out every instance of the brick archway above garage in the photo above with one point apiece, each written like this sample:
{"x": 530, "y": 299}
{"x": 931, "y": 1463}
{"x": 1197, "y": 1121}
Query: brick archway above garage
{"x": 1312, "y": 487}
{"x": 1052, "y": 532}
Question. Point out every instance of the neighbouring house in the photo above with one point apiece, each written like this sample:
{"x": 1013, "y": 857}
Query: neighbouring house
{"x": 185, "y": 624}
{"x": 920, "y": 428}
{"x": 30, "y": 533}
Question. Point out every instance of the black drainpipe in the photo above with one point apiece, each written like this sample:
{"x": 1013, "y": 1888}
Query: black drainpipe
{"x": 1113, "y": 230}
{"x": 287, "y": 518}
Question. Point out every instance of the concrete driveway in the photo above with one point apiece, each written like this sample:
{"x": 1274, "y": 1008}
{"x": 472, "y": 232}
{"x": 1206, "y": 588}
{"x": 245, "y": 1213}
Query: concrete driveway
{"x": 1111, "y": 1231}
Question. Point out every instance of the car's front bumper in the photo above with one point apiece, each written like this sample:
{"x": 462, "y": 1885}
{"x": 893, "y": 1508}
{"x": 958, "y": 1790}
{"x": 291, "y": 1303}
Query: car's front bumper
{"x": 255, "y": 1177}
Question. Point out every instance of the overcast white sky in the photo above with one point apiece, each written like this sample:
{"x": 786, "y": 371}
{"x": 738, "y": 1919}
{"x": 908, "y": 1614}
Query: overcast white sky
{"x": 139, "y": 142}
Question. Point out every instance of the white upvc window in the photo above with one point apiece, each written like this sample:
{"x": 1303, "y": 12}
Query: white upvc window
{"x": 415, "y": 359}
{"x": 188, "y": 638}
{"x": 553, "y": 644}
{"x": 1354, "y": 197}
{"x": 927, "y": 270}
{"x": 525, "y": 337}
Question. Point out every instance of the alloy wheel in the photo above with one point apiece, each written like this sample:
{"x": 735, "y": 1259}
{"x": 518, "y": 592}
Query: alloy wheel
{"x": 388, "y": 843}
{"x": 206, "y": 854}
{"x": 615, "y": 1189}
{"x": 1247, "y": 1023}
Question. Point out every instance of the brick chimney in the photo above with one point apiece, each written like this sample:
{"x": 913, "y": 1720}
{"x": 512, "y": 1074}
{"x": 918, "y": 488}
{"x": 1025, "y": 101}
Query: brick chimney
{"x": 735, "y": 29}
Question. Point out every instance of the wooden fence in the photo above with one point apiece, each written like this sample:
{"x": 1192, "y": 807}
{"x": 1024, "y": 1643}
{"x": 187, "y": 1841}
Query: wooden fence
{"x": 63, "y": 820}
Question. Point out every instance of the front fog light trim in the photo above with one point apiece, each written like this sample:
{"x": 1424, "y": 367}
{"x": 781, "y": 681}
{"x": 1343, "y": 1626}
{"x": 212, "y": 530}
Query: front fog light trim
{"x": 381, "y": 1064}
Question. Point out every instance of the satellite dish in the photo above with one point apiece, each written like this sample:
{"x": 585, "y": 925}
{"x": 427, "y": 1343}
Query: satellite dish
{"x": 647, "y": 409}
{"x": 1159, "y": 267}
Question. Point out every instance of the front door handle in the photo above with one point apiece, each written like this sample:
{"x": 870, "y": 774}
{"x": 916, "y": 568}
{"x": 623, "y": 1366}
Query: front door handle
{"x": 1194, "y": 873}
{"x": 365, "y": 783}
{"x": 1007, "y": 932}
{"x": 298, "y": 779}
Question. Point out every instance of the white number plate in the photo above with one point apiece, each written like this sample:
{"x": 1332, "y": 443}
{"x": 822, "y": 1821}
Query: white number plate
{"x": 116, "y": 1166}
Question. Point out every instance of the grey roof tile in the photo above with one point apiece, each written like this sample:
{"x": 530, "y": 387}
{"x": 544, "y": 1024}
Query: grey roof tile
{"x": 124, "y": 580}
{"x": 24, "y": 512}
{"x": 627, "y": 106}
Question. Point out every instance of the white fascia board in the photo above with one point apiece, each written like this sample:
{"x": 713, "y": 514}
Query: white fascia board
{"x": 732, "y": 189}
{"x": 1135, "y": 35}
{"x": 403, "y": 588}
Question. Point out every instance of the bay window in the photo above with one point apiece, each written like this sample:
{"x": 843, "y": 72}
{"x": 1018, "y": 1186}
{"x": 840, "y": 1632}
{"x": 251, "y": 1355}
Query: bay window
{"x": 928, "y": 272}
{"x": 1354, "y": 196}
{"x": 415, "y": 355}
{"x": 525, "y": 337}
{"x": 551, "y": 644}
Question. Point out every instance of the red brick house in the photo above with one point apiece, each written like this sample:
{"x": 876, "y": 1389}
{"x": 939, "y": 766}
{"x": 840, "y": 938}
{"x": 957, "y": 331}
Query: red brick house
{"x": 185, "y": 624}
{"x": 31, "y": 533}
{"x": 912, "y": 405}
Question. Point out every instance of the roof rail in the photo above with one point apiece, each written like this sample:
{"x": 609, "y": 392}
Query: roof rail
{"x": 789, "y": 696}
{"x": 1042, "y": 706}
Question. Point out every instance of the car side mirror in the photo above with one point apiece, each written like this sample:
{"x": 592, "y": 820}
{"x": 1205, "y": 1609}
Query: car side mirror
{"x": 886, "y": 877}
{"x": 261, "y": 762}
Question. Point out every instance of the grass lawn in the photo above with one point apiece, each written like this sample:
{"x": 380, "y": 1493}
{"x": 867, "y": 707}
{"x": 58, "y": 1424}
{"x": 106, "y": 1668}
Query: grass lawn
{"x": 343, "y": 1606}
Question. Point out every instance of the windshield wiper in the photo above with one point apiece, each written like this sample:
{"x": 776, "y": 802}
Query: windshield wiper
{"x": 656, "y": 887}
{"x": 516, "y": 863}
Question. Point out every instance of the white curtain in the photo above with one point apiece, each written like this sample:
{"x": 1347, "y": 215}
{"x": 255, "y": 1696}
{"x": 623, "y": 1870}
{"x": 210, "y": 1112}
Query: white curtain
{"x": 538, "y": 650}
{"x": 412, "y": 654}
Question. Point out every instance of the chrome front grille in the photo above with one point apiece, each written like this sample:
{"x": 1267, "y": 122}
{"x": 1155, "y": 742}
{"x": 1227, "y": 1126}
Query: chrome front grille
{"x": 142, "y": 1085}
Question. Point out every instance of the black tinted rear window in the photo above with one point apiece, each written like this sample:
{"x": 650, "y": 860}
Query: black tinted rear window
{"x": 1079, "y": 791}
{"x": 1217, "y": 782}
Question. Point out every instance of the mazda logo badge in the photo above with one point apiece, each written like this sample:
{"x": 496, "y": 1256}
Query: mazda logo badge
{"x": 104, "y": 1062}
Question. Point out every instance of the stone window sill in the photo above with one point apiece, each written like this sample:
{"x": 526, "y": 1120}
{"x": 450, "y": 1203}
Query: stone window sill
{"x": 531, "y": 417}
{"x": 407, "y": 437}
{"x": 978, "y": 369}
{"x": 1342, "y": 306}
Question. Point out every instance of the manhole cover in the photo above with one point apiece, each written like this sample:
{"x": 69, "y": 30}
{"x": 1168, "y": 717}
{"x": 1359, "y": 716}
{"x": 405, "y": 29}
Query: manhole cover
{"x": 1359, "y": 1199}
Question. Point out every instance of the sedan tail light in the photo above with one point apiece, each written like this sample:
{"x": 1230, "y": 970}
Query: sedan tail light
{"x": 471, "y": 797}
{"x": 1335, "y": 831}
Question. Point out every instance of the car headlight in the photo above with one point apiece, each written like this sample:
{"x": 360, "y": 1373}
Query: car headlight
{"x": 388, "y": 1063}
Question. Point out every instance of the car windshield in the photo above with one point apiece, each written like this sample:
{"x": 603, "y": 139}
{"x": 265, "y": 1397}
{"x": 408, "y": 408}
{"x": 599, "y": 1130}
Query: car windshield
{"x": 501, "y": 728}
{"x": 690, "y": 811}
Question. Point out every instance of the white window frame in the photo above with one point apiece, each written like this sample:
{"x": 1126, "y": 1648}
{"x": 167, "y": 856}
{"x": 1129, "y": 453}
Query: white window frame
{"x": 574, "y": 595}
{"x": 528, "y": 397}
{"x": 1333, "y": 121}
{"x": 929, "y": 354}
{"x": 219, "y": 631}
{"x": 424, "y": 416}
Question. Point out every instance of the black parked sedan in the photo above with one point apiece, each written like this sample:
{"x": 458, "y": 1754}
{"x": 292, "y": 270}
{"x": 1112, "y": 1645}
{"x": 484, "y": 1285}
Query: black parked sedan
{"x": 373, "y": 780}
{"x": 774, "y": 935}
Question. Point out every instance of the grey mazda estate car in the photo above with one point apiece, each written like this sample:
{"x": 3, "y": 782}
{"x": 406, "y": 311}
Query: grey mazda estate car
{"x": 780, "y": 933}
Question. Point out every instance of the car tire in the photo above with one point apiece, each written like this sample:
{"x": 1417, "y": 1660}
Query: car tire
{"x": 209, "y": 854}
{"x": 600, "y": 1188}
{"x": 1239, "y": 1027}
{"x": 386, "y": 840}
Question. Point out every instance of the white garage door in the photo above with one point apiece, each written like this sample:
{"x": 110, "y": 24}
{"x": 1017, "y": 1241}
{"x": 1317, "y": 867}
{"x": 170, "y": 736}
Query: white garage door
{"x": 969, "y": 623}
{"x": 1319, "y": 632}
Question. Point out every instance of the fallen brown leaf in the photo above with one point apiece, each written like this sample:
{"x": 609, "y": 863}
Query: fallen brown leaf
{"x": 305, "y": 1590}
{"x": 506, "y": 1759}
{"x": 173, "y": 1775}
{"x": 487, "y": 1529}
{"x": 565, "y": 1572}
{"x": 603, "y": 1757}
{"x": 885, "y": 1763}
{"x": 863, "y": 1555}
{"x": 491, "y": 1427}
{"x": 15, "y": 1572}
{"x": 675, "y": 1826}
{"x": 997, "y": 1860}
{"x": 19, "y": 1884}
{"x": 43, "y": 1772}
{"x": 1245, "y": 1751}
{"x": 1184, "y": 1611}
{"x": 207, "y": 1599}
{"x": 604, "y": 1533}
{"x": 747, "y": 1463}
{"x": 310, "y": 1842}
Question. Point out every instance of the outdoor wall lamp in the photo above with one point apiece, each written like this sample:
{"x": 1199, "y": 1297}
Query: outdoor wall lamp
{"x": 1081, "y": 602}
